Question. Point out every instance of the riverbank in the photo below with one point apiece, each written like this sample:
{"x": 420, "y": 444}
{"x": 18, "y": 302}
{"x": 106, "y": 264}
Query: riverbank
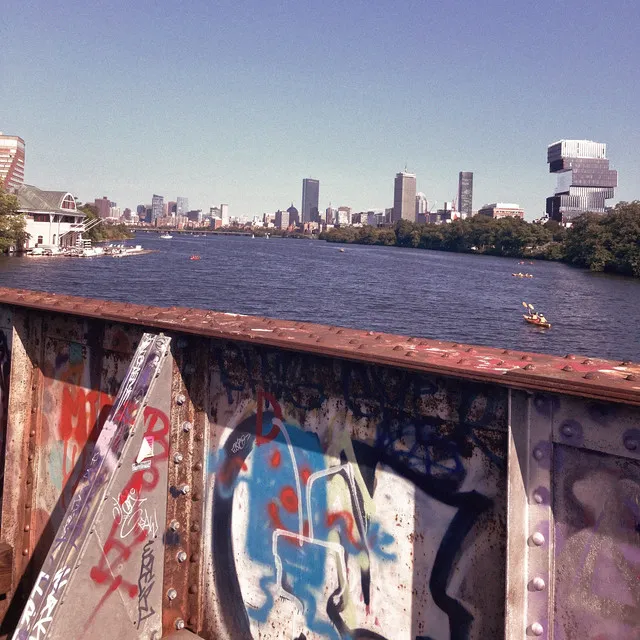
{"x": 608, "y": 243}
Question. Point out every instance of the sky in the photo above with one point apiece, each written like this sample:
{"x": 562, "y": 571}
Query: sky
{"x": 236, "y": 101}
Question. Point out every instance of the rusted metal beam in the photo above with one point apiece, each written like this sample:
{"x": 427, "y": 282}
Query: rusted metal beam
{"x": 607, "y": 380}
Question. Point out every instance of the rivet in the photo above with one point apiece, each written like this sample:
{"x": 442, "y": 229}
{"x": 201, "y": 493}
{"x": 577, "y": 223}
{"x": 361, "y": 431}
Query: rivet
{"x": 529, "y": 367}
{"x": 195, "y": 527}
{"x": 538, "y": 454}
{"x": 193, "y": 621}
{"x": 198, "y": 437}
{"x": 25, "y": 552}
{"x": 455, "y": 345}
{"x": 538, "y": 539}
{"x": 32, "y": 434}
{"x": 179, "y": 624}
{"x": 182, "y": 556}
{"x": 178, "y": 458}
{"x": 180, "y": 399}
{"x": 28, "y": 480}
{"x": 587, "y": 361}
{"x": 27, "y": 527}
{"x": 570, "y": 356}
{"x": 196, "y": 496}
{"x": 172, "y": 594}
{"x": 397, "y": 348}
{"x": 193, "y": 588}
{"x": 174, "y": 525}
{"x": 567, "y": 367}
{"x": 567, "y": 430}
{"x": 537, "y": 629}
{"x": 33, "y": 409}
{"x": 471, "y": 350}
{"x": 592, "y": 375}
{"x": 184, "y": 489}
{"x": 506, "y": 352}
{"x": 197, "y": 466}
{"x": 499, "y": 363}
{"x": 625, "y": 363}
{"x": 193, "y": 557}
{"x": 537, "y": 498}
{"x": 631, "y": 377}
{"x": 631, "y": 444}
{"x": 526, "y": 358}
{"x": 538, "y": 584}
{"x": 187, "y": 426}
{"x": 34, "y": 387}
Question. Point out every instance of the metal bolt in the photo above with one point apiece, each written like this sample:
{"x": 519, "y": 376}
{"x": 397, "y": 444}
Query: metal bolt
{"x": 567, "y": 430}
{"x": 182, "y": 556}
{"x": 27, "y": 527}
{"x": 184, "y": 489}
{"x": 178, "y": 458}
{"x": 186, "y": 427}
{"x": 172, "y": 594}
{"x": 32, "y": 434}
{"x": 537, "y": 629}
{"x": 631, "y": 444}
{"x": 25, "y": 552}
{"x": 179, "y": 624}
{"x": 174, "y": 525}
{"x": 193, "y": 588}
{"x": 539, "y": 584}
{"x": 538, "y": 454}
{"x": 537, "y": 497}
{"x": 538, "y": 539}
{"x": 180, "y": 399}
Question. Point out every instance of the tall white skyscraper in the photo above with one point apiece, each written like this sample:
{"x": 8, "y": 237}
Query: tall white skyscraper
{"x": 11, "y": 161}
{"x": 404, "y": 197}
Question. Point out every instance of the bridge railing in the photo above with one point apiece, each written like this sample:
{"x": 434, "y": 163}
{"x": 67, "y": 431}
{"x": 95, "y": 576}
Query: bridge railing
{"x": 275, "y": 479}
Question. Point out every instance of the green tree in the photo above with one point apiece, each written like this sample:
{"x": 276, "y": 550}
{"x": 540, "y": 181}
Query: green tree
{"x": 102, "y": 232}
{"x": 12, "y": 224}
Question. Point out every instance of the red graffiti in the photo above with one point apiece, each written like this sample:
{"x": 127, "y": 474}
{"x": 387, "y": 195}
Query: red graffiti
{"x": 289, "y": 499}
{"x": 276, "y": 459}
{"x": 116, "y": 551}
{"x": 346, "y": 517}
{"x": 305, "y": 474}
{"x": 277, "y": 411}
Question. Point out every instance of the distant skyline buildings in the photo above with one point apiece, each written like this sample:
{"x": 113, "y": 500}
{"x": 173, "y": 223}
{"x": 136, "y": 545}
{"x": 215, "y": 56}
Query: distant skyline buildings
{"x": 157, "y": 206}
{"x": 584, "y": 180}
{"x": 404, "y": 197}
{"x": 182, "y": 206}
{"x": 465, "y": 193}
{"x": 310, "y": 200}
{"x": 12, "y": 155}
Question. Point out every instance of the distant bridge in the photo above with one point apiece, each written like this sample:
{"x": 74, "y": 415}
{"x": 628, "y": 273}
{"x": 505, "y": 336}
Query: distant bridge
{"x": 188, "y": 232}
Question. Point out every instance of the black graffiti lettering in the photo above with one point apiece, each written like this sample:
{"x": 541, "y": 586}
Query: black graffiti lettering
{"x": 146, "y": 582}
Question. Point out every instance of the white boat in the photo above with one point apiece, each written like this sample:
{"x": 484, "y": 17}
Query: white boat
{"x": 166, "y": 236}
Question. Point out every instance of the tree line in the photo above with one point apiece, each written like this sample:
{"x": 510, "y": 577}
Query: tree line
{"x": 600, "y": 242}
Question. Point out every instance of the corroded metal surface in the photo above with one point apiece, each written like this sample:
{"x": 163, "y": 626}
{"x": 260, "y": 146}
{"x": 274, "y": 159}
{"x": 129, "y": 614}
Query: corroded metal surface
{"x": 574, "y": 375}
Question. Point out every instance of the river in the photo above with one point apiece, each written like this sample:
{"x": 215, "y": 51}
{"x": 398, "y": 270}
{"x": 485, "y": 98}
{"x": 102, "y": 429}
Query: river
{"x": 447, "y": 296}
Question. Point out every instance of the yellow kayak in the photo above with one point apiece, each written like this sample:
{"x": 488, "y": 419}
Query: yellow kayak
{"x": 536, "y": 321}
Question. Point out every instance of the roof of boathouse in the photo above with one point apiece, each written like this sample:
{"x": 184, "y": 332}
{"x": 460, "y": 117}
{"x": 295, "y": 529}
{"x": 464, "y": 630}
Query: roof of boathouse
{"x": 31, "y": 198}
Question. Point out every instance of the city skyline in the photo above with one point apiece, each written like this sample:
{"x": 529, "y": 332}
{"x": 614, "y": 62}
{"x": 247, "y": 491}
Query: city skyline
{"x": 263, "y": 105}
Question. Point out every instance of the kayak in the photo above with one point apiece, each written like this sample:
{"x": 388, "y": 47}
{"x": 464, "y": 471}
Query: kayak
{"x": 530, "y": 320}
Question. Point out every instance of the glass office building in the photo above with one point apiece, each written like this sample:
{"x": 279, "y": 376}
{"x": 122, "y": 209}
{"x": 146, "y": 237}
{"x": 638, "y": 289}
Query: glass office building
{"x": 310, "y": 197}
{"x": 585, "y": 181}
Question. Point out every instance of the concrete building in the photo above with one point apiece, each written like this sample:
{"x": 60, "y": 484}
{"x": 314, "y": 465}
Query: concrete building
{"x": 282, "y": 219}
{"x": 465, "y": 194}
{"x": 11, "y": 161}
{"x": 585, "y": 181}
{"x": 224, "y": 214}
{"x": 310, "y": 199}
{"x": 330, "y": 214}
{"x": 52, "y": 217}
{"x": 195, "y": 216}
{"x": 404, "y": 197}
{"x": 421, "y": 205}
{"x": 103, "y": 207}
{"x": 501, "y": 210}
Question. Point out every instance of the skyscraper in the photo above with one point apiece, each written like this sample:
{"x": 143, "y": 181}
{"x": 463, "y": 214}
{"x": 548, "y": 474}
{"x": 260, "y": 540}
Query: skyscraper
{"x": 182, "y": 206}
{"x": 157, "y": 205}
{"x": 11, "y": 161}
{"x": 465, "y": 193}
{"x": 404, "y": 197}
{"x": 585, "y": 181}
{"x": 310, "y": 198}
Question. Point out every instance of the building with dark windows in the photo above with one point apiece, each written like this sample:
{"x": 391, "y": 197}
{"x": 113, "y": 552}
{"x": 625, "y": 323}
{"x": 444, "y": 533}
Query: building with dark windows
{"x": 585, "y": 181}
{"x": 157, "y": 207}
{"x": 294, "y": 215}
{"x": 465, "y": 194}
{"x": 310, "y": 199}
{"x": 11, "y": 161}
{"x": 182, "y": 206}
{"x": 404, "y": 197}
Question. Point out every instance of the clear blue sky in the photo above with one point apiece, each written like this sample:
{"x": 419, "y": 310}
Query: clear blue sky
{"x": 238, "y": 100}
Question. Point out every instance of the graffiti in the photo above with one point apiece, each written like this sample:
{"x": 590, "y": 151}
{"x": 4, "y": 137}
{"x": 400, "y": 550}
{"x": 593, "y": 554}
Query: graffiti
{"x": 134, "y": 517}
{"x": 43, "y": 604}
{"x": 116, "y": 551}
{"x": 315, "y": 519}
{"x": 146, "y": 582}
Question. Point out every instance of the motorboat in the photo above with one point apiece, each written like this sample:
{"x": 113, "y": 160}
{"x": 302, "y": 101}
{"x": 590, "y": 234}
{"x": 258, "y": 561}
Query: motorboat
{"x": 166, "y": 236}
{"x": 194, "y": 258}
